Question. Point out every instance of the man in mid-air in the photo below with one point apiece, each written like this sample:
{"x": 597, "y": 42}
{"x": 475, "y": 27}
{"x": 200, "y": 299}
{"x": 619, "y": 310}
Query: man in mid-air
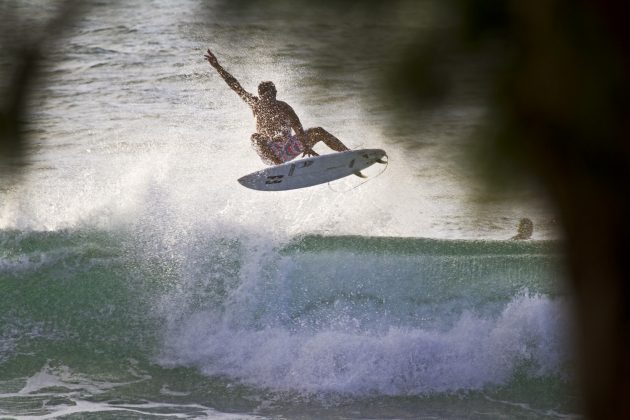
{"x": 279, "y": 135}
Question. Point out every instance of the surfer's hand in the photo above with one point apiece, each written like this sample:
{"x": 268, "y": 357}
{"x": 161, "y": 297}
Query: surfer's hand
{"x": 211, "y": 58}
{"x": 309, "y": 152}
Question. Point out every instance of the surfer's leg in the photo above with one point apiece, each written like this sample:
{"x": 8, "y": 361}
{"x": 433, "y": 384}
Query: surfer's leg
{"x": 317, "y": 134}
{"x": 261, "y": 145}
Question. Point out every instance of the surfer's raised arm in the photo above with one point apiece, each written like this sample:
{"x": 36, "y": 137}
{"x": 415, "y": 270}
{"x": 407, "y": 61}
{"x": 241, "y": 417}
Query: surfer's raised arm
{"x": 229, "y": 79}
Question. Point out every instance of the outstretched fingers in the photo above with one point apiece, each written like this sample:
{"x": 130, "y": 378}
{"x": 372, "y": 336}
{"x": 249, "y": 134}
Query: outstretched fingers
{"x": 210, "y": 57}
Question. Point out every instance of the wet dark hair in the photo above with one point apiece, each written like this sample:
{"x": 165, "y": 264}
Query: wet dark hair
{"x": 526, "y": 224}
{"x": 267, "y": 87}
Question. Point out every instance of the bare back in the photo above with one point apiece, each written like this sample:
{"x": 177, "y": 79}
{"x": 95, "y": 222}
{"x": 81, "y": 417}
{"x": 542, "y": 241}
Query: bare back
{"x": 273, "y": 118}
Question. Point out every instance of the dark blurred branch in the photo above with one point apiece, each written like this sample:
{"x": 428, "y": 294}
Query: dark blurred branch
{"x": 26, "y": 46}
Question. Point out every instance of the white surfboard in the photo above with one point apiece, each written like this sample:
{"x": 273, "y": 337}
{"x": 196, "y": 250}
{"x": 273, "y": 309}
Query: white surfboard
{"x": 301, "y": 173}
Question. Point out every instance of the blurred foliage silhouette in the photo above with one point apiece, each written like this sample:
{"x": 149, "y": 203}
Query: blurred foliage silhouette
{"x": 24, "y": 41}
{"x": 554, "y": 77}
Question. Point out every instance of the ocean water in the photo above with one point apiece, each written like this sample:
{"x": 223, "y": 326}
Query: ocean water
{"x": 138, "y": 279}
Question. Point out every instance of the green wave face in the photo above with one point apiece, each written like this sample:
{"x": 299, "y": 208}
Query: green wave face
{"x": 189, "y": 327}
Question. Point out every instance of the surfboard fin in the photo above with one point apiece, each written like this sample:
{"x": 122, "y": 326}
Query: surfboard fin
{"x": 359, "y": 174}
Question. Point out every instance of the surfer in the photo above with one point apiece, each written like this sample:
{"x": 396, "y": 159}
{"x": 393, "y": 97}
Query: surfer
{"x": 279, "y": 135}
{"x": 524, "y": 230}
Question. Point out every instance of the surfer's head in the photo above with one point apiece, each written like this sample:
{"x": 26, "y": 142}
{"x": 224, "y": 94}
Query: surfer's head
{"x": 525, "y": 229}
{"x": 267, "y": 90}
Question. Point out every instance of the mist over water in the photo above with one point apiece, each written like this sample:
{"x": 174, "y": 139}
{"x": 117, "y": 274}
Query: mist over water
{"x": 133, "y": 114}
{"x": 139, "y": 277}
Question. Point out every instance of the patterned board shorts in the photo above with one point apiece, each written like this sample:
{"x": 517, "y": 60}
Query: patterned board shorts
{"x": 286, "y": 150}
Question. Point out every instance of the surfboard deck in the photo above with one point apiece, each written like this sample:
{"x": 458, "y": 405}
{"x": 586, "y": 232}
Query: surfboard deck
{"x": 306, "y": 172}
